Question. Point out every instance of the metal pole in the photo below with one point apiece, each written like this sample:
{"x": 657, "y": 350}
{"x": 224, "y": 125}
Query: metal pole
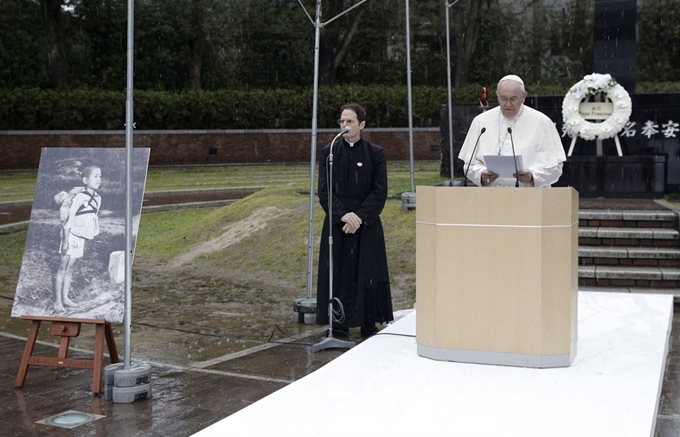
{"x": 312, "y": 177}
{"x": 448, "y": 80}
{"x": 310, "y": 238}
{"x": 330, "y": 342}
{"x": 410, "y": 100}
{"x": 128, "y": 182}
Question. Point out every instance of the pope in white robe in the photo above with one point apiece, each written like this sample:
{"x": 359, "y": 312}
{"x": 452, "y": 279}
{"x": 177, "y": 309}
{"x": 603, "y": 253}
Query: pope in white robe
{"x": 534, "y": 135}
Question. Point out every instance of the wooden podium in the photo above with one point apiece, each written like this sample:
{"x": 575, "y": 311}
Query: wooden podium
{"x": 497, "y": 275}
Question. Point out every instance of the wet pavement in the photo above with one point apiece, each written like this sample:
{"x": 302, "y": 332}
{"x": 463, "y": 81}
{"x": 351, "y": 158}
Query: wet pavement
{"x": 202, "y": 371}
{"x": 184, "y": 400}
{"x": 187, "y": 399}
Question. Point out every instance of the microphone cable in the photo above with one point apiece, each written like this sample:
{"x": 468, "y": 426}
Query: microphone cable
{"x": 514, "y": 157}
{"x": 339, "y": 314}
{"x": 465, "y": 178}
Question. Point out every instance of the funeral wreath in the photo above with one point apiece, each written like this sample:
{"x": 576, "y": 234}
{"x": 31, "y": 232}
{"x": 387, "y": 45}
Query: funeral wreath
{"x": 591, "y": 85}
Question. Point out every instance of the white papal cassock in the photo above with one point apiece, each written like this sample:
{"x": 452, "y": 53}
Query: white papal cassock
{"x": 535, "y": 137}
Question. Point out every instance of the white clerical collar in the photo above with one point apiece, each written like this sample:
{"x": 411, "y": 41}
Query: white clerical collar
{"x": 351, "y": 144}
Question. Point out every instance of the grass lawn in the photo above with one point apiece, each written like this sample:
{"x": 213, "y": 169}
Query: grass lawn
{"x": 20, "y": 185}
{"x": 259, "y": 241}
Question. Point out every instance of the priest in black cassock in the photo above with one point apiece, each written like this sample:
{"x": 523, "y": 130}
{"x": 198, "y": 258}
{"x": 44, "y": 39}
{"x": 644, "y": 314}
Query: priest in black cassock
{"x": 361, "y": 284}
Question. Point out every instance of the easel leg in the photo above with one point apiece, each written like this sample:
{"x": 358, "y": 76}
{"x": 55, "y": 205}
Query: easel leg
{"x": 111, "y": 344}
{"x": 28, "y": 351}
{"x": 571, "y": 146}
{"x": 98, "y": 359}
{"x": 618, "y": 145}
{"x": 63, "y": 347}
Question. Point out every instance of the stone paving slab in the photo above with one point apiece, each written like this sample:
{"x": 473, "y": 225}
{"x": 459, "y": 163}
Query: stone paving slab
{"x": 614, "y": 272}
{"x": 646, "y": 233}
{"x": 603, "y": 251}
{"x": 626, "y": 215}
{"x": 184, "y": 400}
{"x": 654, "y": 252}
{"x": 621, "y": 204}
{"x": 642, "y": 233}
{"x": 642, "y": 252}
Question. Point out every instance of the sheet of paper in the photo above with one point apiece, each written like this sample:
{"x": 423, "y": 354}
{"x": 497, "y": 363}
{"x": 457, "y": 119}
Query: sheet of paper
{"x": 503, "y": 165}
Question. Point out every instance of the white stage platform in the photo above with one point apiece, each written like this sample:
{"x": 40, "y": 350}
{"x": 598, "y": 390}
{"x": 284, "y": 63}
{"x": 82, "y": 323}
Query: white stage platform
{"x": 382, "y": 387}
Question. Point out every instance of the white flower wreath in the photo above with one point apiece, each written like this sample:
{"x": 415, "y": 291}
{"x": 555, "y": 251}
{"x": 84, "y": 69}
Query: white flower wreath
{"x": 593, "y": 84}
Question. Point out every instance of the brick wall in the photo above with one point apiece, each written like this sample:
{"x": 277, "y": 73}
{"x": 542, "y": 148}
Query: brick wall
{"x": 21, "y": 149}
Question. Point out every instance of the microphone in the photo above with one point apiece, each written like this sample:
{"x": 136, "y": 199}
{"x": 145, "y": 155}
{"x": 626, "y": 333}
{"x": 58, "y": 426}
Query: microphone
{"x": 471, "y": 156}
{"x": 346, "y": 130}
{"x": 514, "y": 157}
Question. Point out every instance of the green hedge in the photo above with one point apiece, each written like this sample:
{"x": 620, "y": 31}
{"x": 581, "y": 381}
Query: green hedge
{"x": 85, "y": 109}
{"x": 32, "y": 109}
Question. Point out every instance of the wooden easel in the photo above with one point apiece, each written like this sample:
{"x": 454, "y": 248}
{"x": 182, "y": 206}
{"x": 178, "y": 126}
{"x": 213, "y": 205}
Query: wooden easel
{"x": 598, "y": 143}
{"x": 66, "y": 329}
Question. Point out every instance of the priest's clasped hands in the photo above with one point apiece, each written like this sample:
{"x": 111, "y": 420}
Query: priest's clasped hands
{"x": 352, "y": 223}
{"x": 524, "y": 176}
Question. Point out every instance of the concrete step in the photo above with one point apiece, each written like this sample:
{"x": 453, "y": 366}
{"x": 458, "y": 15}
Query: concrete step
{"x": 629, "y": 252}
{"x": 625, "y": 250}
{"x": 629, "y": 256}
{"x": 640, "y": 233}
{"x": 624, "y": 236}
{"x": 629, "y": 276}
{"x": 632, "y": 218}
{"x": 675, "y": 292}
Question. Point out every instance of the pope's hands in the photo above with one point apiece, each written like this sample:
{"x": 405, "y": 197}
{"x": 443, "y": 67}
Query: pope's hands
{"x": 352, "y": 223}
{"x": 524, "y": 176}
{"x": 488, "y": 177}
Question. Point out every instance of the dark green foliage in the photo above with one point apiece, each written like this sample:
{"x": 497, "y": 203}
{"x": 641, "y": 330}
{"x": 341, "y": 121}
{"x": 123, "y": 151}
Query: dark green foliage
{"x": 31, "y": 109}
{"x": 249, "y": 64}
{"x": 24, "y": 108}
{"x": 214, "y": 45}
{"x": 659, "y": 31}
{"x": 22, "y": 44}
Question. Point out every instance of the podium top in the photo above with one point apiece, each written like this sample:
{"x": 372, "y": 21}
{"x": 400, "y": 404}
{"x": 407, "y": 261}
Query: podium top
{"x": 497, "y": 206}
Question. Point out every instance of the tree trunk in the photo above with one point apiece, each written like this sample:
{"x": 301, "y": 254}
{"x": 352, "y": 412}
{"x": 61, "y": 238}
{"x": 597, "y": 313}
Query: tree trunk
{"x": 466, "y": 25}
{"x": 329, "y": 60}
{"x": 196, "y": 43}
{"x": 57, "y": 63}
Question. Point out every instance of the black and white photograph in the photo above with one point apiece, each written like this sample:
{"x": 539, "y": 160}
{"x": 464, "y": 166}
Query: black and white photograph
{"x": 74, "y": 258}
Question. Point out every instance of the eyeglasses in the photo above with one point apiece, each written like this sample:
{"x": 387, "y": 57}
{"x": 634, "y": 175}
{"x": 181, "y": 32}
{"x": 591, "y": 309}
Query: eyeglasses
{"x": 341, "y": 122}
{"x": 513, "y": 100}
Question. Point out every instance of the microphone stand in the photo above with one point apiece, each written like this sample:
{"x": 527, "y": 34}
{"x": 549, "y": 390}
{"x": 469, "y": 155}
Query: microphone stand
{"x": 331, "y": 342}
{"x": 474, "y": 149}
{"x": 514, "y": 157}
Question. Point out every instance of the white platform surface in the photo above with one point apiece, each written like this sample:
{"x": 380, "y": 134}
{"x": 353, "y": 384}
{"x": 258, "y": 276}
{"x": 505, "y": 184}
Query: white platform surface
{"x": 382, "y": 387}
